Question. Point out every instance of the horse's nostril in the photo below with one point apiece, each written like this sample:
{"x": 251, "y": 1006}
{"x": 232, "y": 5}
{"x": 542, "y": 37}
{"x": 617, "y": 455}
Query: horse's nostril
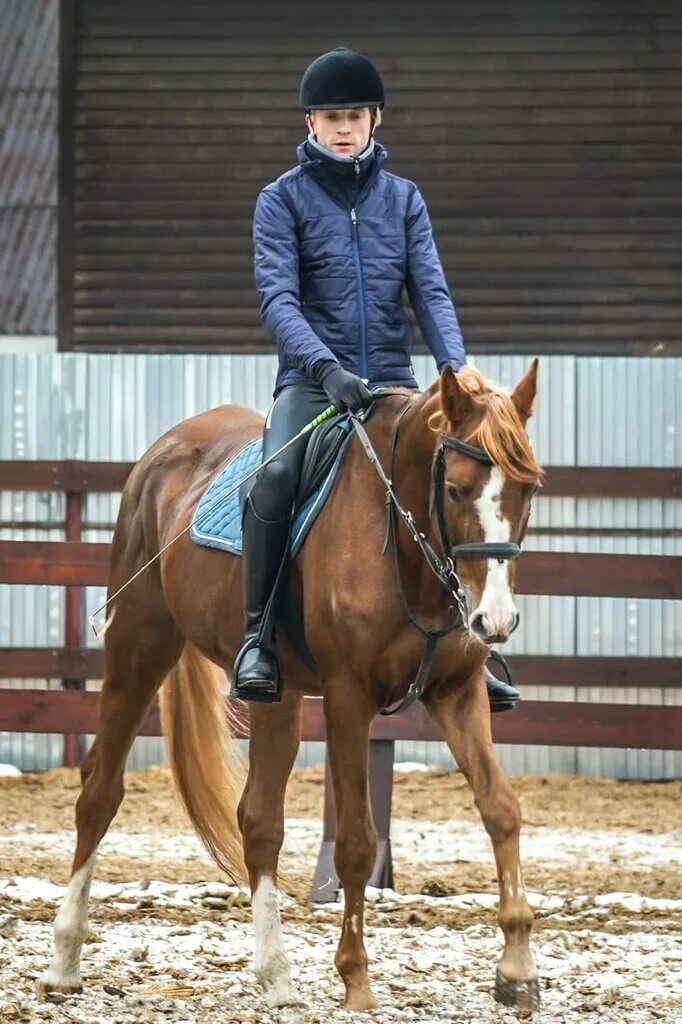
{"x": 477, "y": 625}
{"x": 516, "y": 620}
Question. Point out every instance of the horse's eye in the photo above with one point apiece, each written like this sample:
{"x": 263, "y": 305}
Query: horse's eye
{"x": 455, "y": 493}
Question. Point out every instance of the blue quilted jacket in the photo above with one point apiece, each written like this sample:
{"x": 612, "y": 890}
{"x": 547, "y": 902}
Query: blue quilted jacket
{"x": 331, "y": 262}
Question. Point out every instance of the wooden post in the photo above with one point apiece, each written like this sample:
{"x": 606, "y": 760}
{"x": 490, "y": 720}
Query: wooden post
{"x": 73, "y": 623}
{"x": 325, "y": 880}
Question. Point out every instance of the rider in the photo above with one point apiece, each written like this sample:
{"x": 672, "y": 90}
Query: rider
{"x": 336, "y": 239}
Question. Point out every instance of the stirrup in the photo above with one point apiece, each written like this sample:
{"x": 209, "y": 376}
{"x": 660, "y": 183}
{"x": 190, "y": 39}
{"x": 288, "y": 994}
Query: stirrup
{"x": 503, "y": 696}
{"x": 268, "y": 689}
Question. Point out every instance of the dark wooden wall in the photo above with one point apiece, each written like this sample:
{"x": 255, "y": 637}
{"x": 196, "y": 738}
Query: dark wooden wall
{"x": 546, "y": 138}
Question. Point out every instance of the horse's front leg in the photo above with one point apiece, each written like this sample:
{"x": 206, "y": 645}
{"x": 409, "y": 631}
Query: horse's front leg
{"x": 463, "y": 715}
{"x": 348, "y": 719}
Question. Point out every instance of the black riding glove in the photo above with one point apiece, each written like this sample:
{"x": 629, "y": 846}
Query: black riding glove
{"x": 346, "y": 390}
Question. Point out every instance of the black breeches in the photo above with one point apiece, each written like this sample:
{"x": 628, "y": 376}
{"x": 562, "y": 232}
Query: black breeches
{"x": 274, "y": 492}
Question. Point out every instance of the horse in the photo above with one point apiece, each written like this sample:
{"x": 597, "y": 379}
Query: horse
{"x": 457, "y": 456}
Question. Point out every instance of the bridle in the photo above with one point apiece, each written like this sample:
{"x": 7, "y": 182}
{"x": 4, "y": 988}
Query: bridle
{"x": 502, "y": 551}
{"x": 443, "y": 564}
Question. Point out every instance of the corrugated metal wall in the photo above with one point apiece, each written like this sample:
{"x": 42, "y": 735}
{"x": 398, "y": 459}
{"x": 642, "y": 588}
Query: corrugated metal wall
{"x": 591, "y": 412}
{"x": 28, "y": 165}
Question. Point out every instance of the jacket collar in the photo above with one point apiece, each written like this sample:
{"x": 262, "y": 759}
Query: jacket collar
{"x": 338, "y": 174}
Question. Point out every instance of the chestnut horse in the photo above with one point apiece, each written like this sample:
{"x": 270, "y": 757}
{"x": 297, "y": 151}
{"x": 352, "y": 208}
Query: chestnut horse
{"x": 184, "y": 612}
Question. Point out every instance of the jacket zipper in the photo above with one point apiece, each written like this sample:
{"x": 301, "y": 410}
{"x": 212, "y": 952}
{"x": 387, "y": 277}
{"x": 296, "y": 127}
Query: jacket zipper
{"x": 364, "y": 369}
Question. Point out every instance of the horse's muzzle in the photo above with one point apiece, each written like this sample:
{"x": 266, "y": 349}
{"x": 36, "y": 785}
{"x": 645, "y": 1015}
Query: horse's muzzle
{"x": 493, "y": 633}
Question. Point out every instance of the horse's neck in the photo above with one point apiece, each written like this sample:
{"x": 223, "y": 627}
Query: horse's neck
{"x": 411, "y": 477}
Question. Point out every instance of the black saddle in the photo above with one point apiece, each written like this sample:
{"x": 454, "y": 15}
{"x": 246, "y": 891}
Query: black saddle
{"x": 323, "y": 447}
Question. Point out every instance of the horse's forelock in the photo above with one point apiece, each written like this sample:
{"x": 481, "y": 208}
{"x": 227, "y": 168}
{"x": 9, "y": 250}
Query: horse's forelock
{"x": 497, "y": 427}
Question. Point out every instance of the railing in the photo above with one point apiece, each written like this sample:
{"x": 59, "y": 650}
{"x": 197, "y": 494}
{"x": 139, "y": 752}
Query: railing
{"x": 75, "y": 564}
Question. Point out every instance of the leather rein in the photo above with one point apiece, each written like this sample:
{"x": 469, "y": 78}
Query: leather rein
{"x": 444, "y": 565}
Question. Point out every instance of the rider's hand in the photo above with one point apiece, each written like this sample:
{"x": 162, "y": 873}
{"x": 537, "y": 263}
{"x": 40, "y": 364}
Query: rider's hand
{"x": 346, "y": 390}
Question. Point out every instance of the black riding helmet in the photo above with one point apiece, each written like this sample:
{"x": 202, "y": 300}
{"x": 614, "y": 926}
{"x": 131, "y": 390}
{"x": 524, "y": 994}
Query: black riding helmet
{"x": 341, "y": 79}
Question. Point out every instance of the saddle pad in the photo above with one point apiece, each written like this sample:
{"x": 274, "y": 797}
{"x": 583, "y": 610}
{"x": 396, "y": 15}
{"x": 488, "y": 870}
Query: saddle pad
{"x": 217, "y": 519}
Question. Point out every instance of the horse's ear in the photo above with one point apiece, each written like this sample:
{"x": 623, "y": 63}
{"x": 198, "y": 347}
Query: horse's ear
{"x": 455, "y": 402}
{"x": 523, "y": 395}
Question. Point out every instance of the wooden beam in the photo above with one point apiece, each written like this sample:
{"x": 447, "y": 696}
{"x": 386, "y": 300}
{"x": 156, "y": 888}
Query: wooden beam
{"x": 552, "y": 723}
{"x": 612, "y": 482}
{"x": 573, "y": 670}
{"x": 599, "y": 575}
{"x": 560, "y": 481}
{"x": 51, "y": 663}
{"x": 540, "y": 572}
{"x": 527, "y": 669}
{"x": 66, "y": 475}
{"x": 55, "y": 711}
{"x": 60, "y": 563}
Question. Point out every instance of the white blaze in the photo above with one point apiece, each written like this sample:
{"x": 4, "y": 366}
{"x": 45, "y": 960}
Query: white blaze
{"x": 497, "y": 602}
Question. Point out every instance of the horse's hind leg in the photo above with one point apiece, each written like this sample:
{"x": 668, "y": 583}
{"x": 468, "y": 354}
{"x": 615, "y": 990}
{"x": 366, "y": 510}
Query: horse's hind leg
{"x": 275, "y": 736}
{"x": 140, "y": 650}
{"x": 464, "y": 718}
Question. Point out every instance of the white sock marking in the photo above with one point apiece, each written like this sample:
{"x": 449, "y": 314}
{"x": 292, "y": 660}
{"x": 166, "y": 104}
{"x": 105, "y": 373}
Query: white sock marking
{"x": 271, "y": 965}
{"x": 70, "y": 929}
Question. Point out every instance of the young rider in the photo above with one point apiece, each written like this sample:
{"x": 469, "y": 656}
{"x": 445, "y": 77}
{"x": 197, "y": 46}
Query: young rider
{"x": 336, "y": 240}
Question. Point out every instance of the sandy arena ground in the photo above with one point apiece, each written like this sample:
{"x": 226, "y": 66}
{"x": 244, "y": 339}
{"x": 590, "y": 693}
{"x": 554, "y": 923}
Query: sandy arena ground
{"x": 169, "y": 941}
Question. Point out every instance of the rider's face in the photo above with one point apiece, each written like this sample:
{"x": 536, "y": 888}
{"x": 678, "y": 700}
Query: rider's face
{"x": 344, "y": 132}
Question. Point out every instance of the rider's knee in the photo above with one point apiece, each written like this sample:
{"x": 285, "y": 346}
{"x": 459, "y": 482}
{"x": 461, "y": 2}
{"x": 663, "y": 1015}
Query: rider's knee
{"x": 273, "y": 494}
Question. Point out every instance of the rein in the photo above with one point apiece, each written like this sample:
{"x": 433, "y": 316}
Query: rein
{"x": 445, "y": 567}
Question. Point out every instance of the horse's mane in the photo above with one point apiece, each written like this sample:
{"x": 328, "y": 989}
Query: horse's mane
{"x": 496, "y": 427}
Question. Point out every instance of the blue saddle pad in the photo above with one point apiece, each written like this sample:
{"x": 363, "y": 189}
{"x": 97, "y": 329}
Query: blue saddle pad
{"x": 217, "y": 519}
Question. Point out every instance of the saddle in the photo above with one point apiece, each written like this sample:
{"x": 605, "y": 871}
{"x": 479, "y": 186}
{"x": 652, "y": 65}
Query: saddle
{"x": 217, "y": 519}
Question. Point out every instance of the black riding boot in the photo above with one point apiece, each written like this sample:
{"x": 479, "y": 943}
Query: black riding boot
{"x": 256, "y": 671}
{"x": 502, "y": 696}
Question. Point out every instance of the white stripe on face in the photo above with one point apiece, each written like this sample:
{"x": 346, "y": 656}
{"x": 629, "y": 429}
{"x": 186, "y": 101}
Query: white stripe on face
{"x": 497, "y": 603}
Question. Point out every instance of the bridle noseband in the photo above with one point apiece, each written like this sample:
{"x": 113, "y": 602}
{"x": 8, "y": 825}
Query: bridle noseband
{"x": 443, "y": 566}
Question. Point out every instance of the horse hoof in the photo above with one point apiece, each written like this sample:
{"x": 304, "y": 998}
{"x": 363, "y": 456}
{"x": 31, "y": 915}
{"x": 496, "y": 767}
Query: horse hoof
{"x": 360, "y": 999}
{"x": 49, "y": 988}
{"x": 285, "y": 997}
{"x": 523, "y": 996}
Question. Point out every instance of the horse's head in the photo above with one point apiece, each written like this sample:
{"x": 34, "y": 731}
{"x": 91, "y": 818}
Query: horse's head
{"x": 486, "y": 500}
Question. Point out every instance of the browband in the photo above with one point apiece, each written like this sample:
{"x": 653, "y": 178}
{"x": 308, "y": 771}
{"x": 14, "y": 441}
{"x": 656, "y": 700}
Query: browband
{"x": 472, "y": 450}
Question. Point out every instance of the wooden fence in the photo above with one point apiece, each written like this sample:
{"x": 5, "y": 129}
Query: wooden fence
{"x": 75, "y": 564}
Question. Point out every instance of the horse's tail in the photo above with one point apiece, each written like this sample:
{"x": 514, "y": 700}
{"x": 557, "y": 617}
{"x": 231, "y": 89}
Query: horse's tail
{"x": 203, "y": 759}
